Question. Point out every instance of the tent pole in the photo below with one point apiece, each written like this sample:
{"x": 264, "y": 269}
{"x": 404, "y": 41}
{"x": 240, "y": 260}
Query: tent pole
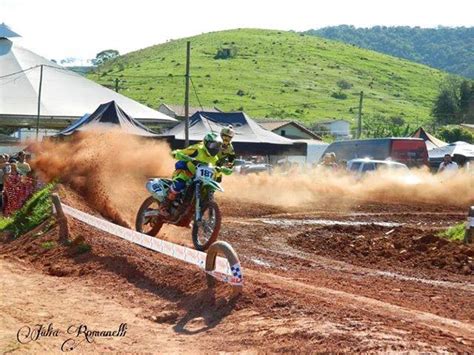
{"x": 186, "y": 95}
{"x": 39, "y": 102}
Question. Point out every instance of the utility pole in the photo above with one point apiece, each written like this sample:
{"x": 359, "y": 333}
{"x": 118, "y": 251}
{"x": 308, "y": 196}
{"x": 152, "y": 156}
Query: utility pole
{"x": 186, "y": 96}
{"x": 359, "y": 122}
{"x": 39, "y": 102}
{"x": 116, "y": 84}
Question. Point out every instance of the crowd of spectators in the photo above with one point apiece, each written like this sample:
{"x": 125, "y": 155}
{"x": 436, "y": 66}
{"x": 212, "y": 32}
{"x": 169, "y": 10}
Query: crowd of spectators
{"x": 14, "y": 169}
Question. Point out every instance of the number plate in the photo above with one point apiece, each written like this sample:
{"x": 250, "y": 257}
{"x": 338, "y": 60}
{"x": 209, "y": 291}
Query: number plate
{"x": 204, "y": 173}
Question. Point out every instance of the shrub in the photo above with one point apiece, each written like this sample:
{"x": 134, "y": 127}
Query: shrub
{"x": 226, "y": 53}
{"x": 339, "y": 95}
{"x": 34, "y": 212}
{"x": 344, "y": 84}
{"x": 455, "y": 232}
{"x": 83, "y": 248}
{"x": 454, "y": 134}
{"x": 48, "y": 245}
{"x": 240, "y": 92}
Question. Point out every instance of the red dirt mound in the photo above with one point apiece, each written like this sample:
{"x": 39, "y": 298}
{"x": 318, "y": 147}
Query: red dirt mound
{"x": 372, "y": 244}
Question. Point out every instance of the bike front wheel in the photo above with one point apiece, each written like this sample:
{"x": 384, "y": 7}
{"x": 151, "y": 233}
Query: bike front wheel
{"x": 206, "y": 231}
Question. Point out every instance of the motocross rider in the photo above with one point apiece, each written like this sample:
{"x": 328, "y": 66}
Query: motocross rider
{"x": 227, "y": 154}
{"x": 203, "y": 152}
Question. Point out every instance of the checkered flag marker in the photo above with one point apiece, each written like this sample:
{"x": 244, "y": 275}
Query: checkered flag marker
{"x": 236, "y": 271}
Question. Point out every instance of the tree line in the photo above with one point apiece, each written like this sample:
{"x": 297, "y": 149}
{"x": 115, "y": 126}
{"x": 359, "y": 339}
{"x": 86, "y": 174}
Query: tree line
{"x": 448, "y": 48}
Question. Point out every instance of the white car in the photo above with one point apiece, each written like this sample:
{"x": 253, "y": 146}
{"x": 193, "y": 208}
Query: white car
{"x": 362, "y": 166}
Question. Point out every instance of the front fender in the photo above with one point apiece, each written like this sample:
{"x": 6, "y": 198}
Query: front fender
{"x": 214, "y": 185}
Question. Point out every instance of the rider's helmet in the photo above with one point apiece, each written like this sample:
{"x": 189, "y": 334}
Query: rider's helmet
{"x": 227, "y": 133}
{"x": 213, "y": 143}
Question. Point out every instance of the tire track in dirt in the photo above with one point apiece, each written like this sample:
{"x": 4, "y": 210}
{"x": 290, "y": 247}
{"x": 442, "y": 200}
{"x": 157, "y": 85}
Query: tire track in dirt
{"x": 28, "y": 297}
{"x": 345, "y": 299}
{"x": 341, "y": 266}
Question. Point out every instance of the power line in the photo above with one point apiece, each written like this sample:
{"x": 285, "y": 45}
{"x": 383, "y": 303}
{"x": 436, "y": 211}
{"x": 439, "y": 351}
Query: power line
{"x": 195, "y": 92}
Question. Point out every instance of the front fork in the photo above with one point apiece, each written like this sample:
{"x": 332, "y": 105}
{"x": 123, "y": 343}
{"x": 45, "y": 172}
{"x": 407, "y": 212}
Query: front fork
{"x": 197, "y": 198}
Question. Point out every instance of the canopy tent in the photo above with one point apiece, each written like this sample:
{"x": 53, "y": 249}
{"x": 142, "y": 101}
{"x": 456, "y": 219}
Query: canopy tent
{"x": 461, "y": 152}
{"x": 8, "y": 140}
{"x": 250, "y": 138}
{"x": 431, "y": 141}
{"x": 65, "y": 95}
{"x": 108, "y": 115}
{"x": 6, "y": 32}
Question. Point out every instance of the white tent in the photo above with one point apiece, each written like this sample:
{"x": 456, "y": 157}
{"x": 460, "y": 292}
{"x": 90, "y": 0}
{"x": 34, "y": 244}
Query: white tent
{"x": 463, "y": 149}
{"x": 64, "y": 94}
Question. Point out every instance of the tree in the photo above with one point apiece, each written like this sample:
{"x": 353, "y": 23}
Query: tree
{"x": 105, "y": 56}
{"x": 455, "y": 102}
{"x": 344, "y": 84}
{"x": 455, "y": 134}
{"x": 466, "y": 101}
{"x": 446, "y": 107}
{"x": 377, "y": 126}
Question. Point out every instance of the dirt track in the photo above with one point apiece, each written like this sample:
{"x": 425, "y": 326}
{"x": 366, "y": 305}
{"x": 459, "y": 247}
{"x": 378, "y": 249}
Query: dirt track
{"x": 310, "y": 286}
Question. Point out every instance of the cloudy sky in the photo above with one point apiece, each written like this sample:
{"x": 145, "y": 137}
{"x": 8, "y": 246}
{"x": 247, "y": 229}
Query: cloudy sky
{"x": 60, "y": 28}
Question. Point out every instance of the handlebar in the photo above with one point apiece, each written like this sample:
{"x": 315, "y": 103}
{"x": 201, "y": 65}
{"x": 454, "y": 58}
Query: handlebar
{"x": 223, "y": 169}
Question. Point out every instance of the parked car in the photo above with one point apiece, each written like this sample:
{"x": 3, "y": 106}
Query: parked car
{"x": 238, "y": 163}
{"x": 253, "y": 168}
{"x": 362, "y": 166}
{"x": 409, "y": 151}
{"x": 245, "y": 167}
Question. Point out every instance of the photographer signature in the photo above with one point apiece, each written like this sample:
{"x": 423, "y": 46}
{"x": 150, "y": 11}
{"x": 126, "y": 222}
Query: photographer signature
{"x": 76, "y": 334}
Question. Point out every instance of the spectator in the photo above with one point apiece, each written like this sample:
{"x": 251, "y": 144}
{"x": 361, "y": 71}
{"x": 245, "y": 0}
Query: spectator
{"x": 22, "y": 166}
{"x": 329, "y": 161}
{"x": 447, "y": 164}
{"x": 5, "y": 171}
{"x": 3, "y": 166}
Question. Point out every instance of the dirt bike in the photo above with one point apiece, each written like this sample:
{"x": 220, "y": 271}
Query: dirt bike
{"x": 196, "y": 204}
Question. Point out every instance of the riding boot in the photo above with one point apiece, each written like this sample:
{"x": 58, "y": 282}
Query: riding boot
{"x": 166, "y": 204}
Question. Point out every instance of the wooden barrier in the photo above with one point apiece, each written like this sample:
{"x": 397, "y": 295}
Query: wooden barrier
{"x": 469, "y": 234}
{"x": 61, "y": 218}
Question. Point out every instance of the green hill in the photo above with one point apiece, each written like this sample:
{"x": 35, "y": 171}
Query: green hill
{"x": 276, "y": 74}
{"x": 445, "y": 48}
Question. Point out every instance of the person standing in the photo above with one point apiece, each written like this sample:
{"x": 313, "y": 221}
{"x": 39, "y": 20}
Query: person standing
{"x": 447, "y": 164}
{"x": 22, "y": 167}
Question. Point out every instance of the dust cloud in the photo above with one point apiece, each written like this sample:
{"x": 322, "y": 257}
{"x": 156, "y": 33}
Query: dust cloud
{"x": 317, "y": 187}
{"x": 109, "y": 169}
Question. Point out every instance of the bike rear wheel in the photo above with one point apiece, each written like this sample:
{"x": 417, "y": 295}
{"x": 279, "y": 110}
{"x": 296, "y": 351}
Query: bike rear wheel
{"x": 207, "y": 230}
{"x": 149, "y": 225}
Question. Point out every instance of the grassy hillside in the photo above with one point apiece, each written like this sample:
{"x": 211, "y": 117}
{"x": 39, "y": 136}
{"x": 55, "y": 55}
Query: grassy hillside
{"x": 449, "y": 49}
{"x": 277, "y": 74}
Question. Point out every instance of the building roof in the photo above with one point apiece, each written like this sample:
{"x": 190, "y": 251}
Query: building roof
{"x": 64, "y": 93}
{"x": 332, "y": 121}
{"x": 274, "y": 125}
{"x": 179, "y": 109}
{"x": 249, "y": 137}
{"x": 456, "y": 148}
{"x": 468, "y": 126}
